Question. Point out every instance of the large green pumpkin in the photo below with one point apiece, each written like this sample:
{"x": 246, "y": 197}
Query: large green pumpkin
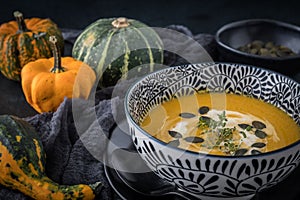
{"x": 114, "y": 46}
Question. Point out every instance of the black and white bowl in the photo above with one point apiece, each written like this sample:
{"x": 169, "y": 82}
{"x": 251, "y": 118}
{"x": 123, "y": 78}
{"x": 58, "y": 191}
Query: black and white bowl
{"x": 209, "y": 176}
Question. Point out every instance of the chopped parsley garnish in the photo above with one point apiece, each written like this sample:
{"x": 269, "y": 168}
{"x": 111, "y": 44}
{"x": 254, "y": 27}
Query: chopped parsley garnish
{"x": 218, "y": 134}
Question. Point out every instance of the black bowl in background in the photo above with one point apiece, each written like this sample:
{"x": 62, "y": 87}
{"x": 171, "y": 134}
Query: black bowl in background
{"x": 233, "y": 35}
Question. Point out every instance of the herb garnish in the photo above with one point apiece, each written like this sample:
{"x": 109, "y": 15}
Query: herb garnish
{"x": 219, "y": 135}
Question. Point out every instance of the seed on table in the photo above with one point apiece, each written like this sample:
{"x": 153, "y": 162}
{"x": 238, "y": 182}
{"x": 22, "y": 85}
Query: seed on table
{"x": 175, "y": 134}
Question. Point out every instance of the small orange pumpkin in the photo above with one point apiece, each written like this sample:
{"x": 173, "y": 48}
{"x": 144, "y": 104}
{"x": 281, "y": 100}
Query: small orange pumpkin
{"x": 46, "y": 82}
{"x": 25, "y": 40}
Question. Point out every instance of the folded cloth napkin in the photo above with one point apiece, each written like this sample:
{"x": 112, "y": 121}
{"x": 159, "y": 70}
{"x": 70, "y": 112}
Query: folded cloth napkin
{"x": 68, "y": 160}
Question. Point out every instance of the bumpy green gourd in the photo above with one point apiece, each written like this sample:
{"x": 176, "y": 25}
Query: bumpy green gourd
{"x": 22, "y": 164}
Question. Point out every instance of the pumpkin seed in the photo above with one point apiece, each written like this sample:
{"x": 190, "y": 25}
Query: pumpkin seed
{"x": 270, "y": 49}
{"x": 204, "y": 122}
{"x": 253, "y": 51}
{"x": 205, "y": 119}
{"x": 174, "y": 143}
{"x": 270, "y": 45}
{"x": 255, "y": 152}
{"x": 260, "y": 134}
{"x": 243, "y": 133}
{"x": 245, "y": 126}
{"x": 203, "y": 110}
{"x": 187, "y": 115}
{"x": 175, "y": 134}
{"x": 258, "y": 145}
{"x": 258, "y": 125}
{"x": 264, "y": 52}
{"x": 240, "y": 152}
{"x": 256, "y": 44}
{"x": 194, "y": 139}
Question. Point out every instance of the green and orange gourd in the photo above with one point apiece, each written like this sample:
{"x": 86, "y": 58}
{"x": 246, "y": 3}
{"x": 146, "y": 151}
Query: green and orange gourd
{"x": 22, "y": 164}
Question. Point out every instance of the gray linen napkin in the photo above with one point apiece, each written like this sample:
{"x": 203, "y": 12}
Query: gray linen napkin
{"x": 68, "y": 160}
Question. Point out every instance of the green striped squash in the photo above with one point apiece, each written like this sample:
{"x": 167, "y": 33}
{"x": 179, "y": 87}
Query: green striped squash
{"x": 114, "y": 46}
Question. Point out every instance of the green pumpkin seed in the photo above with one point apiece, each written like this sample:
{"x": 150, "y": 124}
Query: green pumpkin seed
{"x": 203, "y": 110}
{"x": 255, "y": 152}
{"x": 260, "y": 134}
{"x": 194, "y": 139}
{"x": 268, "y": 49}
{"x": 245, "y": 126}
{"x": 258, "y": 125}
{"x": 240, "y": 152}
{"x": 253, "y": 51}
{"x": 264, "y": 52}
{"x": 205, "y": 120}
{"x": 257, "y": 44}
{"x": 243, "y": 133}
{"x": 258, "y": 145}
{"x": 175, "y": 134}
{"x": 270, "y": 45}
{"x": 187, "y": 115}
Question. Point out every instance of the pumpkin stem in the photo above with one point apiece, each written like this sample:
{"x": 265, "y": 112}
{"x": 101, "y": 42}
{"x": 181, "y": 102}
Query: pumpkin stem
{"x": 20, "y": 21}
{"x": 57, "y": 68}
{"x": 120, "y": 22}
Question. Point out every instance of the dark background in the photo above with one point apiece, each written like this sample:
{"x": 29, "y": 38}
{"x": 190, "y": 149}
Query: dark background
{"x": 199, "y": 15}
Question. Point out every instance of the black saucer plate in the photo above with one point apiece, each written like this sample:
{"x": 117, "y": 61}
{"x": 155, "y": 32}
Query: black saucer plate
{"x": 120, "y": 139}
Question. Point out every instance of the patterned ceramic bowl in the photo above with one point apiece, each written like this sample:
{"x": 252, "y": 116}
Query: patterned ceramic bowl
{"x": 208, "y": 176}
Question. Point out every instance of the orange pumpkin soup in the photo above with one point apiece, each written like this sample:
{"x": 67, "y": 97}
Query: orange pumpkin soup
{"x": 221, "y": 124}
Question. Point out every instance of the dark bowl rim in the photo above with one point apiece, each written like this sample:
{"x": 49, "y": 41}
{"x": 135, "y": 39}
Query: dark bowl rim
{"x": 242, "y": 23}
{"x": 152, "y": 138}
